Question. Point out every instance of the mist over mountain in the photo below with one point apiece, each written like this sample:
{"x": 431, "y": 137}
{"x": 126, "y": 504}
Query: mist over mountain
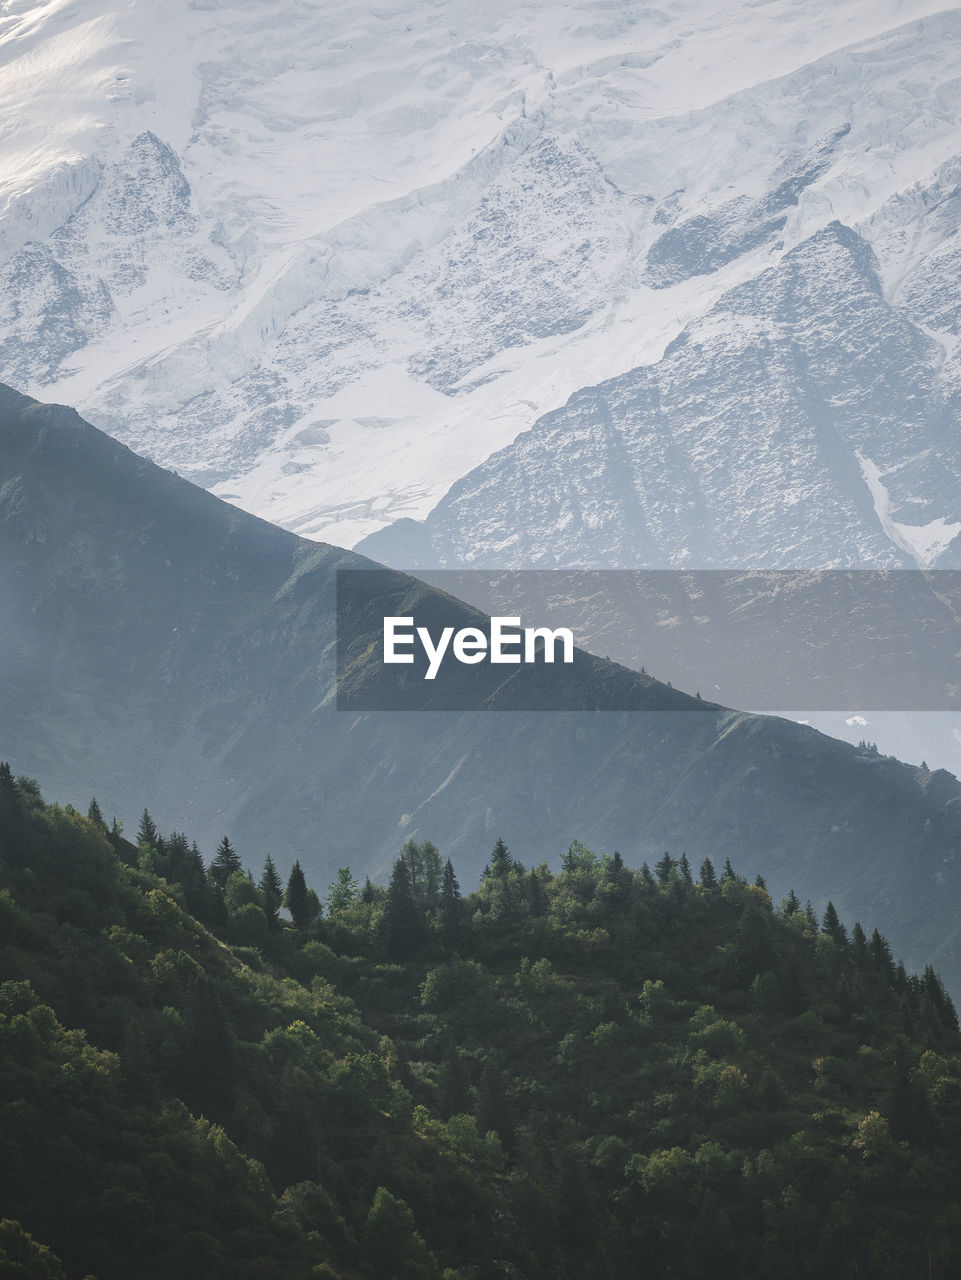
{"x": 162, "y": 648}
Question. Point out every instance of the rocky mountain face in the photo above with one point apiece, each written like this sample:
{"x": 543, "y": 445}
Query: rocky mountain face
{"x": 161, "y": 641}
{"x": 803, "y": 421}
{"x": 328, "y": 262}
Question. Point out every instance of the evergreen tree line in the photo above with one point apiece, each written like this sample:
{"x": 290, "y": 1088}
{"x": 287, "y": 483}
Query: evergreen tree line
{"x": 595, "y": 1071}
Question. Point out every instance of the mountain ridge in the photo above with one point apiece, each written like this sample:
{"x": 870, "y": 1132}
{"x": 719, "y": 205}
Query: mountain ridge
{"x": 158, "y": 643}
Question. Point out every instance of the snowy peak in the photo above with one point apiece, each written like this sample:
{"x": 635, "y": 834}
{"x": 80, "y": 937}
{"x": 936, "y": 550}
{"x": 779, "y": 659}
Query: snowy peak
{"x": 745, "y": 445}
{"x": 328, "y": 260}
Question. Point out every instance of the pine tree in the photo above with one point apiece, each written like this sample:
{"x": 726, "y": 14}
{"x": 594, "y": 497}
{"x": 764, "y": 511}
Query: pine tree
{"x": 342, "y": 892}
{"x": 881, "y": 959}
{"x": 577, "y": 858}
{"x": 413, "y": 858}
{"x": 433, "y": 872}
{"x": 935, "y": 1000}
{"x": 147, "y": 832}
{"x": 708, "y": 876}
{"x": 618, "y": 881}
{"x": 501, "y": 860}
{"x": 225, "y": 863}
{"x": 297, "y": 898}
{"x": 859, "y": 944}
{"x": 271, "y": 892}
{"x": 685, "y": 869}
{"x": 403, "y": 922}
{"x": 790, "y": 905}
{"x": 833, "y": 927}
{"x": 200, "y": 900}
{"x": 663, "y": 868}
{"x": 94, "y": 814}
{"x": 450, "y": 904}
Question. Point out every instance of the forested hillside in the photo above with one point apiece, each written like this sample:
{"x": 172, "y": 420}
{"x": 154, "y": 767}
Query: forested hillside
{"x": 600, "y": 1072}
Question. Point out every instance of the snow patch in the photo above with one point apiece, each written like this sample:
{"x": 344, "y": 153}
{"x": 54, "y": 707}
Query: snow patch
{"x": 923, "y": 543}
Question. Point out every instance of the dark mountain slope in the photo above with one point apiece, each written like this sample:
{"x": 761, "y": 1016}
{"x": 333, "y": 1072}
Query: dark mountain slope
{"x": 160, "y": 639}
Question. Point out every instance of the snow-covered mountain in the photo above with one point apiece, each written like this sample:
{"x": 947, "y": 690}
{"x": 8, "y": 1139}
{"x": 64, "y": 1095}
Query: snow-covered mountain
{"x": 328, "y": 260}
{"x": 560, "y": 283}
{"x": 804, "y": 421}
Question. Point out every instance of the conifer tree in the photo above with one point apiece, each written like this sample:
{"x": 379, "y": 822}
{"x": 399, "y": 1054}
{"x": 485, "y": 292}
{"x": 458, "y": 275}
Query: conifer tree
{"x": 342, "y": 892}
{"x": 859, "y": 943}
{"x": 412, "y": 857}
{"x": 833, "y": 927}
{"x": 707, "y": 874}
{"x": 147, "y": 832}
{"x": 225, "y": 863}
{"x": 200, "y": 901}
{"x": 934, "y": 996}
{"x": 881, "y": 959}
{"x": 432, "y": 872}
{"x": 618, "y": 879}
{"x": 94, "y": 814}
{"x": 403, "y": 923}
{"x": 685, "y": 869}
{"x": 296, "y": 898}
{"x": 501, "y": 860}
{"x": 450, "y": 904}
{"x": 790, "y": 905}
{"x": 271, "y": 892}
{"x": 663, "y": 868}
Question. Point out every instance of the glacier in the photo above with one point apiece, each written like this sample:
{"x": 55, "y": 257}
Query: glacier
{"x": 326, "y": 261}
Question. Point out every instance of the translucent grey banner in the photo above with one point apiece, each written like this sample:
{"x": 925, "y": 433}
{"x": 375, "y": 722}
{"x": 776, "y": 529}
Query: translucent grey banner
{"x": 820, "y": 640}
